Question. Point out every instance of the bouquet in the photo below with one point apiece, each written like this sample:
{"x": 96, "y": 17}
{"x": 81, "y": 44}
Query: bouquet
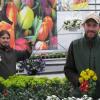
{"x": 87, "y": 81}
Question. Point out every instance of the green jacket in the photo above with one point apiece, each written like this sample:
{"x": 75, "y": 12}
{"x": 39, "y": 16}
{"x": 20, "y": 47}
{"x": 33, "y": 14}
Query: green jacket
{"x": 87, "y": 54}
{"x": 83, "y": 54}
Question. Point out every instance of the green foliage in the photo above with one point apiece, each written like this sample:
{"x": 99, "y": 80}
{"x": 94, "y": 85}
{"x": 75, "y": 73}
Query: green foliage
{"x": 21, "y": 87}
{"x": 1, "y": 79}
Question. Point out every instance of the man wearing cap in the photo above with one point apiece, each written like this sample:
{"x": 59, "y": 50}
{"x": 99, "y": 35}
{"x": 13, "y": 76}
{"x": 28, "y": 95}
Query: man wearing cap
{"x": 85, "y": 53}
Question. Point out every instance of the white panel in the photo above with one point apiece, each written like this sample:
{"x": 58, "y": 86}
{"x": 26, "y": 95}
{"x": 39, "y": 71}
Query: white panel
{"x": 98, "y": 7}
{"x": 65, "y": 40}
{"x": 97, "y": 1}
{"x": 91, "y": 7}
{"x": 91, "y": 1}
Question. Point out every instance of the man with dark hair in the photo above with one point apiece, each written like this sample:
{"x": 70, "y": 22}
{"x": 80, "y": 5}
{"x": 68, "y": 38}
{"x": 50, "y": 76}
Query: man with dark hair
{"x": 9, "y": 56}
{"x": 85, "y": 53}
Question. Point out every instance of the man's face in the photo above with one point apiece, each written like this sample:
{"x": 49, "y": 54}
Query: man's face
{"x": 91, "y": 28}
{"x": 5, "y": 40}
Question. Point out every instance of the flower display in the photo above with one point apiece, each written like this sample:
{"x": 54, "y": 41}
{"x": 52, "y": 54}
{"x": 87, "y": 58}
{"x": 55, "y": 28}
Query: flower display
{"x": 30, "y": 66}
{"x": 72, "y": 24}
{"x": 25, "y": 87}
{"x": 87, "y": 81}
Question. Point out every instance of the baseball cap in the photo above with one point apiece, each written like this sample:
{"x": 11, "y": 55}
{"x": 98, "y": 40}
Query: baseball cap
{"x": 93, "y": 16}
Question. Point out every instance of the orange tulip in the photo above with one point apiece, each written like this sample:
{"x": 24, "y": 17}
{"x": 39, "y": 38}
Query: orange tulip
{"x": 11, "y": 12}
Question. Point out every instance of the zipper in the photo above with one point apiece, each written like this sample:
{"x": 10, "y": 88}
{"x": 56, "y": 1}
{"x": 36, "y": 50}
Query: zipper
{"x": 91, "y": 60}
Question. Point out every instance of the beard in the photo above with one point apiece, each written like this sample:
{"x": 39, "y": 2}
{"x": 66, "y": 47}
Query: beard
{"x": 91, "y": 34}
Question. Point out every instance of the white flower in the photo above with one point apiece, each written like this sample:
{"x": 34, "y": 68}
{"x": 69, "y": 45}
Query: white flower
{"x": 79, "y": 99}
{"x": 78, "y": 21}
{"x": 48, "y": 98}
{"x": 70, "y": 98}
{"x": 77, "y": 24}
{"x": 68, "y": 26}
{"x": 85, "y": 97}
{"x": 71, "y": 23}
{"x": 30, "y": 99}
{"x": 53, "y": 97}
{"x": 90, "y": 98}
{"x": 64, "y": 99}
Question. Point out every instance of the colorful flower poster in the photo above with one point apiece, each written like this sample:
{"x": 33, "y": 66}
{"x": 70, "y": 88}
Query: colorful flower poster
{"x": 33, "y": 20}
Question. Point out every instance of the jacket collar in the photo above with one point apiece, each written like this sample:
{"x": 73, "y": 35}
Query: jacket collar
{"x": 5, "y": 48}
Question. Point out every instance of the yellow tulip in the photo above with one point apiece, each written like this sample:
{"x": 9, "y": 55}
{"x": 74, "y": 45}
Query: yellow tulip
{"x": 26, "y": 17}
{"x": 83, "y": 73}
{"x": 91, "y": 73}
{"x": 81, "y": 79}
{"x": 94, "y": 77}
{"x": 87, "y": 70}
{"x": 86, "y": 77}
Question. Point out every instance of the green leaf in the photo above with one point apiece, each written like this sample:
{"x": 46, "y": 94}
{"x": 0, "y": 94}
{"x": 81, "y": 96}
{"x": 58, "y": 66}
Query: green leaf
{"x": 35, "y": 23}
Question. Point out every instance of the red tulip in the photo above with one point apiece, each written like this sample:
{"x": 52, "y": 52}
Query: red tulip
{"x": 84, "y": 87}
{"x": 43, "y": 32}
{"x": 21, "y": 47}
{"x": 21, "y": 41}
{"x": 21, "y": 44}
{"x": 5, "y": 92}
{"x": 49, "y": 21}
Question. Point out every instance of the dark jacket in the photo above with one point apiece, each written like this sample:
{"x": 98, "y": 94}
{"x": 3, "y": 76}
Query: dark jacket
{"x": 8, "y": 58}
{"x": 82, "y": 54}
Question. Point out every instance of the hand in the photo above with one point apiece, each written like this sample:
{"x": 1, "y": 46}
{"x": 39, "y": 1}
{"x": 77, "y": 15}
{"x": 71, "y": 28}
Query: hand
{"x": 30, "y": 42}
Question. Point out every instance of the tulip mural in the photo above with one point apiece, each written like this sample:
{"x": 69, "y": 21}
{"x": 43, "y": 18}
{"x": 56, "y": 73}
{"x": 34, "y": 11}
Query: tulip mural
{"x": 31, "y": 20}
